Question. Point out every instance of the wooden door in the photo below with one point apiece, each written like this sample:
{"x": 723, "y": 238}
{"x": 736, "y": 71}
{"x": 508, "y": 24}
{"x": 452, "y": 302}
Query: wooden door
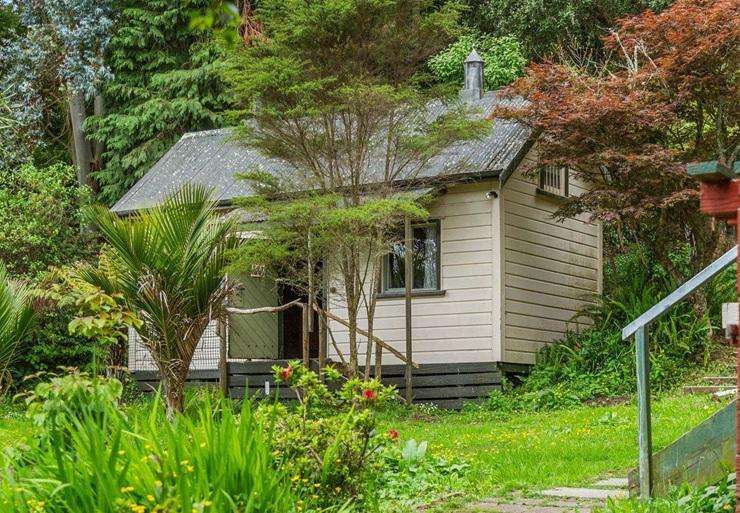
{"x": 254, "y": 335}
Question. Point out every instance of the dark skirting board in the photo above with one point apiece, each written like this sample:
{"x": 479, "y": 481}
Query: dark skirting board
{"x": 446, "y": 385}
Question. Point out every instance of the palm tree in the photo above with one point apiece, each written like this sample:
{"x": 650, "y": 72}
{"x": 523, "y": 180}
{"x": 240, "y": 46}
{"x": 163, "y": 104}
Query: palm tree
{"x": 17, "y": 317}
{"x": 168, "y": 264}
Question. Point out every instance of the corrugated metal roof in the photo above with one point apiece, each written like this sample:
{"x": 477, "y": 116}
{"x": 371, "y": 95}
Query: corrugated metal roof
{"x": 214, "y": 158}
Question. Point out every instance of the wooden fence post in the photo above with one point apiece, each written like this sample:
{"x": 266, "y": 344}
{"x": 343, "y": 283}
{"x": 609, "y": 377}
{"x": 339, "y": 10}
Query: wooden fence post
{"x": 409, "y": 283}
{"x": 223, "y": 364}
{"x": 643, "y": 411}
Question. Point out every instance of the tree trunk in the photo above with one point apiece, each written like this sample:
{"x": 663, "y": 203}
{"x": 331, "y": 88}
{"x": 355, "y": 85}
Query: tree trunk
{"x": 371, "y": 319}
{"x": 353, "y": 360}
{"x": 83, "y": 157}
{"x": 98, "y": 110}
{"x": 173, "y": 386}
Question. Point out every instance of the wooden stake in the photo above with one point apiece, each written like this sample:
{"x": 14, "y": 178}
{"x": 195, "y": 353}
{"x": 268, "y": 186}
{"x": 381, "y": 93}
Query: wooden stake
{"x": 223, "y": 365}
{"x": 322, "y": 346}
{"x": 409, "y": 283}
{"x": 304, "y": 334}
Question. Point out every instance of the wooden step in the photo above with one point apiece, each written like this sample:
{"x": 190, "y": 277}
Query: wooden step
{"x": 721, "y": 380}
{"x": 724, "y": 393}
{"x": 706, "y": 389}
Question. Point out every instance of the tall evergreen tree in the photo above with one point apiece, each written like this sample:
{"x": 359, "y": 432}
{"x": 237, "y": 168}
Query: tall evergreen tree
{"x": 166, "y": 82}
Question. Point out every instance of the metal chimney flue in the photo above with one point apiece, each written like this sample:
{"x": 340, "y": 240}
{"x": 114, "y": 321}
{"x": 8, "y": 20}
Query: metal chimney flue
{"x": 473, "y": 88}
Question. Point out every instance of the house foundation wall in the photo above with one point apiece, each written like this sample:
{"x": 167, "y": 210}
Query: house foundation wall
{"x": 445, "y": 385}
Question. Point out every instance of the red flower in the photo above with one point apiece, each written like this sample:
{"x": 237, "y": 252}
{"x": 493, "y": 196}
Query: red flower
{"x": 370, "y": 395}
{"x": 393, "y": 434}
{"x": 286, "y": 373}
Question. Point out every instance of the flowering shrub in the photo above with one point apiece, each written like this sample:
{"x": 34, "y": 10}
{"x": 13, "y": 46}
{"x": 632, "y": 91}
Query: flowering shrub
{"x": 328, "y": 443}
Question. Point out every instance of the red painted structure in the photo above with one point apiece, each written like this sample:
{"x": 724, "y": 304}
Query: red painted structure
{"x": 720, "y": 198}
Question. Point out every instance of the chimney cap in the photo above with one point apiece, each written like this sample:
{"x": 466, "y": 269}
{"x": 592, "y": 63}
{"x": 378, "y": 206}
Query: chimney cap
{"x": 473, "y": 57}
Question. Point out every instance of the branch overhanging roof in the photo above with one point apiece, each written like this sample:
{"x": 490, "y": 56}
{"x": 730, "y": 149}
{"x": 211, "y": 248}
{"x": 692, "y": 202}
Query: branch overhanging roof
{"x": 214, "y": 158}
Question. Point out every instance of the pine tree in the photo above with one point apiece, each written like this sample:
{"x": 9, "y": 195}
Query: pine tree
{"x": 166, "y": 82}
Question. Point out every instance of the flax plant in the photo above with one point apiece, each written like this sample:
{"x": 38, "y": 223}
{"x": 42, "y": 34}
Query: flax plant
{"x": 140, "y": 463}
{"x": 17, "y": 317}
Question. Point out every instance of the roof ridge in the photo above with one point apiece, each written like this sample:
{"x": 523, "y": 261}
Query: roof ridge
{"x": 207, "y": 133}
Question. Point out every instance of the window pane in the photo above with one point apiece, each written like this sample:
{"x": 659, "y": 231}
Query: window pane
{"x": 425, "y": 264}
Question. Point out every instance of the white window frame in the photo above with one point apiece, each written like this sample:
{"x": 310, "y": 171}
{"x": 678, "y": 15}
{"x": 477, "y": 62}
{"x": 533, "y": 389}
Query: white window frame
{"x": 553, "y": 180}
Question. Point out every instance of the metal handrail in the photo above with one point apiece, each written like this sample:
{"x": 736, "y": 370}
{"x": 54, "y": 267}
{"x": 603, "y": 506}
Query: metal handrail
{"x": 639, "y": 328}
{"x": 681, "y": 292}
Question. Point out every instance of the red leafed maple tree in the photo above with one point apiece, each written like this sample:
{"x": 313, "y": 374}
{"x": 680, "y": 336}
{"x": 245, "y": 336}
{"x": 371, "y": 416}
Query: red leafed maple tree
{"x": 667, "y": 95}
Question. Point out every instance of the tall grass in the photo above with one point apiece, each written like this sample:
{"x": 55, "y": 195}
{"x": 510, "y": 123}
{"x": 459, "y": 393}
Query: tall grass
{"x": 214, "y": 460}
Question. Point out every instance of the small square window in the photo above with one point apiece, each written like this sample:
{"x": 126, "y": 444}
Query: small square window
{"x": 425, "y": 261}
{"x": 553, "y": 180}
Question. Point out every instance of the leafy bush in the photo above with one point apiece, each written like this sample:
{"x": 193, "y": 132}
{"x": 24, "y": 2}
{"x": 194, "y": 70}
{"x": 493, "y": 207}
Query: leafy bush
{"x": 216, "y": 462}
{"x": 65, "y": 400}
{"x": 412, "y": 476}
{"x": 503, "y": 57}
{"x": 327, "y": 443}
{"x": 709, "y": 499}
{"x": 44, "y": 205}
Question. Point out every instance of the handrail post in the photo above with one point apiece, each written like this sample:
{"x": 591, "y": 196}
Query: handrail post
{"x": 645, "y": 437}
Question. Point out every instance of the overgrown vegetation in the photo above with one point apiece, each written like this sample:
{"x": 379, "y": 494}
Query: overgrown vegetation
{"x": 709, "y": 499}
{"x": 91, "y": 456}
{"x": 596, "y": 363}
{"x": 45, "y": 205}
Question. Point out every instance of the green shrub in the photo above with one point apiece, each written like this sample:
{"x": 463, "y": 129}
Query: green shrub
{"x": 328, "y": 442}
{"x": 44, "y": 204}
{"x": 216, "y": 461}
{"x": 412, "y": 476}
{"x": 504, "y": 61}
{"x": 718, "y": 498}
{"x": 58, "y": 405}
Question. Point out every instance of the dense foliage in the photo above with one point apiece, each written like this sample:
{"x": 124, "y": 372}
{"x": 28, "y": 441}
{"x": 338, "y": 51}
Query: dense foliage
{"x": 502, "y": 56}
{"x": 708, "y": 499}
{"x": 45, "y": 206}
{"x": 17, "y": 317}
{"x": 629, "y": 126}
{"x": 572, "y": 28}
{"x": 166, "y": 81}
{"x": 91, "y": 456}
{"x": 57, "y": 55}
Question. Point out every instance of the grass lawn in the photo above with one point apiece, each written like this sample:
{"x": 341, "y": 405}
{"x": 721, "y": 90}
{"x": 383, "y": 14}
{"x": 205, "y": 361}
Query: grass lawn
{"x": 526, "y": 452}
{"x": 532, "y": 451}
{"x": 14, "y": 427}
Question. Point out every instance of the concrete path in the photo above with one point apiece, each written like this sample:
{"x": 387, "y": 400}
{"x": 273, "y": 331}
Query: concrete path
{"x": 555, "y": 500}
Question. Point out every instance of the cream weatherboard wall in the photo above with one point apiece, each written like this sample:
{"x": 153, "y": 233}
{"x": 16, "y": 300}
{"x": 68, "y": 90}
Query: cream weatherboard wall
{"x": 551, "y": 269}
{"x": 459, "y": 325}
